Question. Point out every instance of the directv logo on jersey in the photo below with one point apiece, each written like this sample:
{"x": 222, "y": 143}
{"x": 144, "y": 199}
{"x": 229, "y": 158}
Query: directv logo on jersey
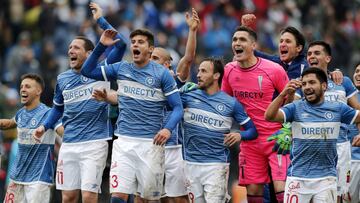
{"x": 248, "y": 95}
{"x": 77, "y": 93}
{"x": 139, "y": 91}
{"x": 206, "y": 119}
{"x": 317, "y": 131}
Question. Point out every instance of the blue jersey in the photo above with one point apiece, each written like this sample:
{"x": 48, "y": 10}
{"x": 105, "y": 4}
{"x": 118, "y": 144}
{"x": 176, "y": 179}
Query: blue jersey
{"x": 206, "y": 119}
{"x": 176, "y": 134}
{"x": 84, "y": 119}
{"x": 34, "y": 162}
{"x": 142, "y": 96}
{"x": 338, "y": 93}
{"x": 353, "y": 131}
{"x": 315, "y": 129}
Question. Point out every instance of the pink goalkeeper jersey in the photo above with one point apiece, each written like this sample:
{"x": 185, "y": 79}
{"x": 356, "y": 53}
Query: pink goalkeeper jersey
{"x": 255, "y": 88}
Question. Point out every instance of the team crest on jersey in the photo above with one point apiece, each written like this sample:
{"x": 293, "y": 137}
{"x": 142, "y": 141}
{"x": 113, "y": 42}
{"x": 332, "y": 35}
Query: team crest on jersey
{"x": 220, "y": 107}
{"x": 149, "y": 80}
{"x": 329, "y": 116}
{"x": 84, "y": 79}
{"x": 33, "y": 122}
{"x": 330, "y": 85}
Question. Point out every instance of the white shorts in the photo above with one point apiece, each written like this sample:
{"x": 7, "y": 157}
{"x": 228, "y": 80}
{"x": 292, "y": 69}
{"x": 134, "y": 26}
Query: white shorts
{"x": 305, "y": 190}
{"x": 32, "y": 193}
{"x": 137, "y": 167}
{"x": 207, "y": 183}
{"x": 81, "y": 165}
{"x": 174, "y": 173}
{"x": 354, "y": 190}
{"x": 343, "y": 167}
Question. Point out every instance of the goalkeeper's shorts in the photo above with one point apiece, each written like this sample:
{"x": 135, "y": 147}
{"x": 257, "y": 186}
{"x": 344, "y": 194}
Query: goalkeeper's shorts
{"x": 254, "y": 161}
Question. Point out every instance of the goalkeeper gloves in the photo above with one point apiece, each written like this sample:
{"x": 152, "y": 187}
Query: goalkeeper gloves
{"x": 283, "y": 139}
{"x": 188, "y": 87}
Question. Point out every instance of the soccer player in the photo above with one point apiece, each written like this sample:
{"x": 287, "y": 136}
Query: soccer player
{"x": 83, "y": 153}
{"x": 354, "y": 188}
{"x": 315, "y": 129}
{"x": 144, "y": 89}
{"x": 253, "y": 81}
{"x": 208, "y": 117}
{"x": 319, "y": 56}
{"x": 33, "y": 174}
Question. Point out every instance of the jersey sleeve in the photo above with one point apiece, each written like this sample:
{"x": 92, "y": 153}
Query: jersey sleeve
{"x": 350, "y": 89}
{"x": 289, "y": 112}
{"x": 168, "y": 84}
{"x": 225, "y": 85}
{"x": 273, "y": 58}
{"x": 348, "y": 114}
{"x": 58, "y": 96}
{"x": 299, "y": 93}
{"x": 109, "y": 72}
{"x": 240, "y": 115}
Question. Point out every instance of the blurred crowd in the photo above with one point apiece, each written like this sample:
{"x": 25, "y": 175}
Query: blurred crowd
{"x": 34, "y": 34}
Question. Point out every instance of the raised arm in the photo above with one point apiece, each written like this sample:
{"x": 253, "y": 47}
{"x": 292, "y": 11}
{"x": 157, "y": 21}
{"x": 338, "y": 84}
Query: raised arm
{"x": 183, "y": 69}
{"x": 91, "y": 68}
{"x": 6, "y": 124}
{"x": 273, "y": 112}
{"x": 117, "y": 53}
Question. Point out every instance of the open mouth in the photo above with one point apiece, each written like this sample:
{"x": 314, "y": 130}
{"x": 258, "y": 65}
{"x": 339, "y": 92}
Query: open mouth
{"x": 283, "y": 52}
{"x": 136, "y": 52}
{"x": 72, "y": 59}
{"x": 239, "y": 50}
{"x": 24, "y": 95}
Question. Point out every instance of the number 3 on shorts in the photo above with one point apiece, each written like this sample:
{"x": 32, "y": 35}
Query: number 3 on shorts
{"x": 114, "y": 181}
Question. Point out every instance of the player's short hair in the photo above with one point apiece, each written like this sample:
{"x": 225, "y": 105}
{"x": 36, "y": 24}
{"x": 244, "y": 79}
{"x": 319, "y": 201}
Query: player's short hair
{"x": 218, "y": 66}
{"x": 251, "y": 32}
{"x": 144, "y": 32}
{"x": 300, "y": 39}
{"x": 33, "y": 76}
{"x": 320, "y": 74}
{"x": 325, "y": 45}
{"x": 88, "y": 45}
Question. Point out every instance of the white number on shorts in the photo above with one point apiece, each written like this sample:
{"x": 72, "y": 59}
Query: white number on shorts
{"x": 9, "y": 198}
{"x": 115, "y": 181}
{"x": 60, "y": 177}
{"x": 290, "y": 198}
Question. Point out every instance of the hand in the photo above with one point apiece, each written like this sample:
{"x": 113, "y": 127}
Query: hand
{"x": 100, "y": 95}
{"x": 291, "y": 87}
{"x": 356, "y": 141}
{"x": 231, "y": 138}
{"x": 337, "y": 76}
{"x": 188, "y": 87}
{"x": 162, "y": 136}
{"x": 193, "y": 22}
{"x": 248, "y": 19}
{"x": 95, "y": 10}
{"x": 283, "y": 139}
{"x": 38, "y": 133}
{"x": 107, "y": 37}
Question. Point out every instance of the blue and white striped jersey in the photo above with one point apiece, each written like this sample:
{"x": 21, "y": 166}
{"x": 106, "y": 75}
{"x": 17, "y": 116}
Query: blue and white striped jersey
{"x": 315, "y": 129}
{"x": 142, "y": 96}
{"x": 353, "y": 131}
{"x": 206, "y": 119}
{"x": 34, "y": 162}
{"x": 338, "y": 93}
{"x": 84, "y": 118}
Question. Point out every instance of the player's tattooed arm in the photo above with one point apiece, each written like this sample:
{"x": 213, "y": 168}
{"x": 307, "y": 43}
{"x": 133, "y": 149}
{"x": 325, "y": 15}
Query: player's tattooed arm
{"x": 7, "y": 124}
{"x": 273, "y": 112}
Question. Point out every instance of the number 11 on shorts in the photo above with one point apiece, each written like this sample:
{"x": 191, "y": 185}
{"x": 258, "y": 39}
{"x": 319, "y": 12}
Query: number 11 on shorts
{"x": 60, "y": 177}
